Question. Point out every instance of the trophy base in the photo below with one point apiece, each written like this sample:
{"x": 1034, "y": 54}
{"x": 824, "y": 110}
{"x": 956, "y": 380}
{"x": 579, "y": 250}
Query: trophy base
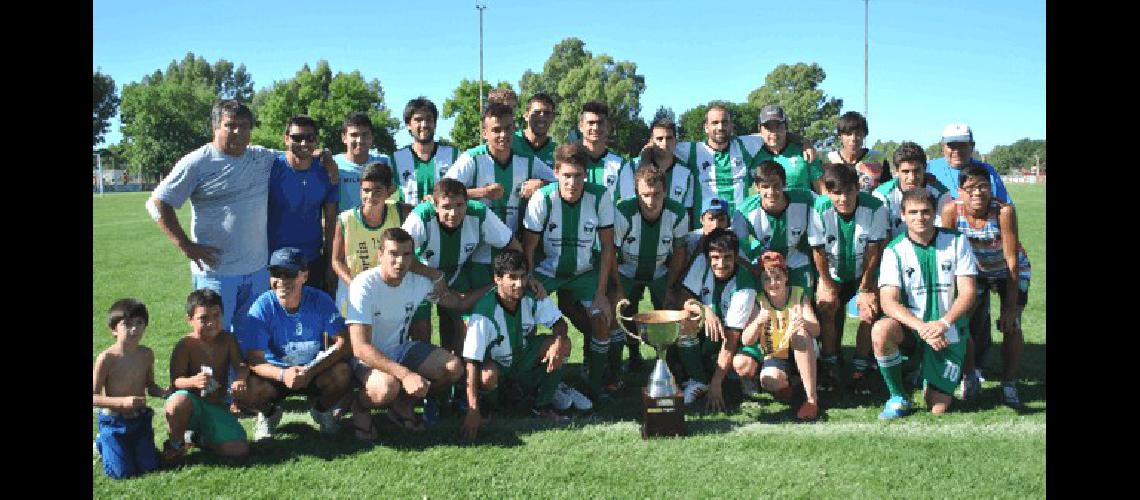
{"x": 662, "y": 416}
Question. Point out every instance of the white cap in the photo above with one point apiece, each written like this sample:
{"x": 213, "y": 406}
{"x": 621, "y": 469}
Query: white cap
{"x": 957, "y": 132}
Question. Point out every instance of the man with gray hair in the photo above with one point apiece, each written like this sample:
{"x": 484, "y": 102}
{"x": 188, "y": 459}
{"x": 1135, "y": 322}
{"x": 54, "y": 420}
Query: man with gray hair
{"x": 957, "y": 153}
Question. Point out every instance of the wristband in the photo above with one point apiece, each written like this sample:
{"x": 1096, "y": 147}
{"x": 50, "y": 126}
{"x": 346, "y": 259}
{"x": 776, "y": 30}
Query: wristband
{"x": 944, "y": 322}
{"x": 281, "y": 375}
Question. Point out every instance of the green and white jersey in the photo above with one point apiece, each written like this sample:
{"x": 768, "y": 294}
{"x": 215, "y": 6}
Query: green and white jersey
{"x": 679, "y": 181}
{"x": 732, "y": 300}
{"x": 522, "y": 147}
{"x": 495, "y": 333}
{"x": 800, "y": 173}
{"x": 446, "y": 250}
{"x": 785, "y": 232}
{"x": 719, "y": 174}
{"x": 844, "y": 241}
{"x": 415, "y": 178}
{"x": 642, "y": 246}
{"x": 891, "y": 196}
{"x": 569, "y": 231}
{"x": 926, "y": 274}
{"x": 603, "y": 171}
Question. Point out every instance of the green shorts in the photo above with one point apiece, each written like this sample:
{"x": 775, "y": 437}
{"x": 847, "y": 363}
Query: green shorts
{"x": 635, "y": 289}
{"x": 941, "y": 369}
{"x": 523, "y": 366}
{"x": 213, "y": 422}
{"x": 803, "y": 277}
{"x": 583, "y": 286}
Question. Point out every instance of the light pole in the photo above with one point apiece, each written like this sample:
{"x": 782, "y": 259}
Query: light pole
{"x": 865, "y": 25}
{"x": 480, "y": 8}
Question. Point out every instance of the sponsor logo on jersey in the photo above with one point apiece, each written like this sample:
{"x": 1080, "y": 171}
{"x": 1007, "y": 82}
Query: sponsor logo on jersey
{"x": 589, "y": 226}
{"x": 676, "y": 190}
{"x": 704, "y": 291}
{"x": 946, "y": 265}
{"x": 830, "y": 239}
{"x": 630, "y": 239}
{"x": 552, "y": 227}
{"x": 468, "y": 248}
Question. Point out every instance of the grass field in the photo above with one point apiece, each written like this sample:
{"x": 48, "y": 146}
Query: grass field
{"x": 979, "y": 449}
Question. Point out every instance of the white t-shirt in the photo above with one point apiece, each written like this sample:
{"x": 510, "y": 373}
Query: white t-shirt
{"x": 388, "y": 309}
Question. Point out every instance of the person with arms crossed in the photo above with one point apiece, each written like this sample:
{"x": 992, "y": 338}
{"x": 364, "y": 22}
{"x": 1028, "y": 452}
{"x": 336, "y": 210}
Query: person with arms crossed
{"x": 926, "y": 281}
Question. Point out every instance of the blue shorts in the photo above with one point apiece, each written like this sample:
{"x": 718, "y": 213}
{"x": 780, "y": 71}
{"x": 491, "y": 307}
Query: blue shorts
{"x": 127, "y": 444}
{"x": 238, "y": 292}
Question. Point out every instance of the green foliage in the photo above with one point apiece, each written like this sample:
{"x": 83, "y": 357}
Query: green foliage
{"x": 1020, "y": 155}
{"x": 574, "y": 76}
{"x": 466, "y": 131}
{"x": 326, "y": 98}
{"x": 934, "y": 151}
{"x": 888, "y": 149}
{"x": 743, "y": 120}
{"x": 796, "y": 88}
{"x": 105, "y": 105}
{"x": 228, "y": 81}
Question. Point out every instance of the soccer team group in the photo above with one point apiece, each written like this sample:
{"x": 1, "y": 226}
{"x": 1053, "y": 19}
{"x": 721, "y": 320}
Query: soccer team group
{"x": 314, "y": 274}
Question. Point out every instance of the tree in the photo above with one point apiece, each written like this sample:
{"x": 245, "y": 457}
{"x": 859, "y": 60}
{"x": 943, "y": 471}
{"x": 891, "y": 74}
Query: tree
{"x": 796, "y": 88}
{"x": 229, "y": 82}
{"x": 464, "y": 106}
{"x": 743, "y": 120}
{"x": 574, "y": 76}
{"x": 1020, "y": 155}
{"x": 326, "y": 98}
{"x": 106, "y": 104}
{"x": 934, "y": 151}
{"x": 888, "y": 149}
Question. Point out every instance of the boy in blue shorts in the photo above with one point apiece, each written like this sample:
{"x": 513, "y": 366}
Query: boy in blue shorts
{"x": 199, "y": 371}
{"x": 124, "y": 375}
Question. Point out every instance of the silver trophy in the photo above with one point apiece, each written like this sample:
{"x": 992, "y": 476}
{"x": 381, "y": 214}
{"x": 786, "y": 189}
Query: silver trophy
{"x": 660, "y": 328}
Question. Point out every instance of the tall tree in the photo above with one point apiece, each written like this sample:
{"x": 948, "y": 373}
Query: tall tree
{"x": 574, "y": 76}
{"x": 743, "y": 120}
{"x": 1020, "y": 155}
{"x": 796, "y": 88}
{"x": 106, "y": 104}
{"x": 888, "y": 149}
{"x": 326, "y": 98}
{"x": 229, "y": 82}
{"x": 464, "y": 106}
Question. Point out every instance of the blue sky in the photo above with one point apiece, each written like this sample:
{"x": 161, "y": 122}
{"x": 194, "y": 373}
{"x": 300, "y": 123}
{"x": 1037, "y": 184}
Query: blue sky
{"x": 931, "y": 63}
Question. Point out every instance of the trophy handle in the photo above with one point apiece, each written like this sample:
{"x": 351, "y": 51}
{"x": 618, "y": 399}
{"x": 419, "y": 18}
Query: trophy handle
{"x": 699, "y": 317}
{"x": 621, "y": 324}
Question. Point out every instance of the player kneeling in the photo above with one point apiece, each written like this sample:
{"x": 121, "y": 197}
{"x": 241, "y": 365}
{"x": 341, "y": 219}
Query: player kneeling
{"x": 785, "y": 322}
{"x": 926, "y": 284}
{"x": 502, "y": 344}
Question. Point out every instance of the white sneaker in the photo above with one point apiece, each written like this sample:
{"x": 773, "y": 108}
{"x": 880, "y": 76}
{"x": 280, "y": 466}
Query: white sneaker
{"x": 561, "y": 401}
{"x": 326, "y": 420}
{"x": 693, "y": 390}
{"x": 748, "y": 386}
{"x": 579, "y": 400}
{"x": 265, "y": 425}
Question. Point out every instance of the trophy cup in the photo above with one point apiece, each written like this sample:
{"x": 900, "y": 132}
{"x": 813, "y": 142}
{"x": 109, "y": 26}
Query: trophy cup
{"x": 664, "y": 405}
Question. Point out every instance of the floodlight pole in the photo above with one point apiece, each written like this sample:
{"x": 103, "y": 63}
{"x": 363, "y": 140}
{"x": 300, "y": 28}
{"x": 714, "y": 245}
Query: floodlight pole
{"x": 480, "y": 8}
{"x": 866, "y": 23}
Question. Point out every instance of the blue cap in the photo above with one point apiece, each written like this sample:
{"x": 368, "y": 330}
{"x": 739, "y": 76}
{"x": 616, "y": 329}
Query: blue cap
{"x": 289, "y": 258}
{"x": 716, "y": 205}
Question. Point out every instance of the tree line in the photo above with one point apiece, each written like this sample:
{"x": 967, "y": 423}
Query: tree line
{"x": 165, "y": 114}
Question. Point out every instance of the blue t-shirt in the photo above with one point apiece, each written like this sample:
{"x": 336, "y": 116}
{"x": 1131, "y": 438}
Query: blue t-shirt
{"x": 291, "y": 339}
{"x": 295, "y": 200}
{"x": 948, "y": 175}
{"x": 350, "y": 178}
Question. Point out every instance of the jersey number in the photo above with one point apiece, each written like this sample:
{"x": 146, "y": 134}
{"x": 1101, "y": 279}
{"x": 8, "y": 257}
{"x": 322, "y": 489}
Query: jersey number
{"x": 951, "y": 372}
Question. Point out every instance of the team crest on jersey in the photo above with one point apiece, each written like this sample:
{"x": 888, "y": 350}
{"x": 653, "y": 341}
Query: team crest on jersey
{"x": 796, "y": 232}
{"x": 527, "y": 328}
{"x": 408, "y": 307}
{"x": 406, "y": 175}
{"x": 630, "y": 239}
{"x": 736, "y": 162}
{"x": 552, "y": 227}
{"x": 764, "y": 241}
{"x": 946, "y": 265}
{"x": 300, "y": 329}
{"x": 793, "y": 161}
{"x": 676, "y": 190}
{"x": 830, "y": 239}
{"x": 909, "y": 271}
{"x": 610, "y": 179}
{"x": 588, "y": 226}
{"x": 704, "y": 291}
{"x": 862, "y": 239}
{"x": 705, "y": 165}
{"x": 666, "y": 240}
{"x": 468, "y": 248}
{"x": 429, "y": 254}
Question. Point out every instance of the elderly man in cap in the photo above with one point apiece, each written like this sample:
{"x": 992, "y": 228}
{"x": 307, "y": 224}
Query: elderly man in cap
{"x": 296, "y": 344}
{"x": 802, "y": 171}
{"x": 957, "y": 152}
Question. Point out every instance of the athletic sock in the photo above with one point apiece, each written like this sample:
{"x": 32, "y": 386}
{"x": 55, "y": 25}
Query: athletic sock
{"x": 890, "y": 366}
{"x": 690, "y": 350}
{"x": 617, "y": 341}
{"x": 859, "y": 364}
{"x": 597, "y": 364}
{"x": 548, "y": 383}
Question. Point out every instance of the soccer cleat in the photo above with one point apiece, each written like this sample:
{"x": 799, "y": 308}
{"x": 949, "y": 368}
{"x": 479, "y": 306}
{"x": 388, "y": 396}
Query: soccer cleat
{"x": 896, "y": 407}
{"x": 191, "y": 438}
{"x": 748, "y": 386}
{"x": 1009, "y": 396}
{"x": 579, "y": 400}
{"x": 264, "y": 427}
{"x": 693, "y": 390}
{"x": 970, "y": 387}
{"x": 170, "y": 453}
{"x": 807, "y": 412}
{"x": 325, "y": 420}
{"x": 859, "y": 383}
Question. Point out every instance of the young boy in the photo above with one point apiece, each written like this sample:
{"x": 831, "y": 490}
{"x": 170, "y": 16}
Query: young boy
{"x": 777, "y": 329}
{"x": 123, "y": 373}
{"x": 199, "y": 371}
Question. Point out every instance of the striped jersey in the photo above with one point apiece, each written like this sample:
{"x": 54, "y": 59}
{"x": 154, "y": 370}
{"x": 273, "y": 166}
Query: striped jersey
{"x": 604, "y": 172}
{"x": 800, "y": 173}
{"x": 844, "y": 241}
{"x": 871, "y": 165}
{"x": 416, "y": 178}
{"x": 985, "y": 240}
{"x": 642, "y": 246}
{"x": 926, "y": 274}
{"x": 891, "y": 196}
{"x": 569, "y": 231}
{"x": 785, "y": 232}
{"x": 732, "y": 300}
{"x": 522, "y": 147}
{"x": 719, "y": 174}
{"x": 447, "y": 250}
{"x": 495, "y": 333}
{"x": 679, "y": 182}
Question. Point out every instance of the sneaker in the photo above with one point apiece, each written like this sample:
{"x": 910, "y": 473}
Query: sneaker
{"x": 970, "y": 387}
{"x": 170, "y": 453}
{"x": 807, "y": 412}
{"x": 265, "y": 425}
{"x": 860, "y": 384}
{"x": 896, "y": 407}
{"x": 579, "y": 400}
{"x": 978, "y": 375}
{"x": 694, "y": 389}
{"x": 1009, "y": 396}
{"x": 749, "y": 387}
{"x": 191, "y": 438}
{"x": 325, "y": 420}
{"x": 561, "y": 401}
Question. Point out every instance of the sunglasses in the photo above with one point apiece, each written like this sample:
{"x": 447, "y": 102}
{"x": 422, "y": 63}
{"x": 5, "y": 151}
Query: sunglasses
{"x": 282, "y": 273}
{"x": 303, "y": 137}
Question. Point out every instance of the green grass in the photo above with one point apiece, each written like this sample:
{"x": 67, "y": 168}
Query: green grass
{"x": 980, "y": 448}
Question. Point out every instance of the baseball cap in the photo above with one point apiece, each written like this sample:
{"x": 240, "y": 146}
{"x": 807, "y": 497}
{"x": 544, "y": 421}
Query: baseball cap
{"x": 771, "y": 112}
{"x": 716, "y": 205}
{"x": 957, "y": 132}
{"x": 289, "y": 258}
